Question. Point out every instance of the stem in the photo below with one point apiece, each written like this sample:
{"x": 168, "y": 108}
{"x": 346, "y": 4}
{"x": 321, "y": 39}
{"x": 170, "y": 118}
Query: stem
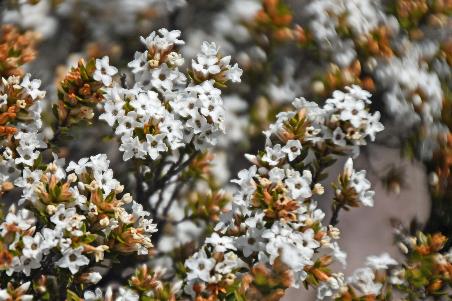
{"x": 335, "y": 217}
{"x": 123, "y": 79}
{"x": 171, "y": 201}
{"x": 164, "y": 219}
{"x": 59, "y": 125}
{"x": 140, "y": 195}
{"x": 174, "y": 170}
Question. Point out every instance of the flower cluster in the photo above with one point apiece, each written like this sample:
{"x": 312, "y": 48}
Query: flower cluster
{"x": 164, "y": 111}
{"x": 414, "y": 94}
{"x": 352, "y": 188}
{"x": 76, "y": 215}
{"x": 271, "y": 238}
{"x": 426, "y": 272}
{"x": 16, "y": 293}
{"x": 405, "y": 69}
{"x": 344, "y": 122}
{"x": 270, "y": 224}
{"x": 361, "y": 284}
{"x": 210, "y": 65}
{"x": 411, "y": 14}
{"x": 81, "y": 90}
{"x": 20, "y": 108}
{"x": 20, "y": 123}
{"x": 274, "y": 225}
{"x": 16, "y": 49}
{"x": 144, "y": 283}
{"x": 334, "y": 24}
{"x": 275, "y": 20}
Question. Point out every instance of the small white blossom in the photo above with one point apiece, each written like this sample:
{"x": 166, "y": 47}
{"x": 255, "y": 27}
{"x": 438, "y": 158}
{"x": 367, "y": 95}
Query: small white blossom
{"x": 104, "y": 71}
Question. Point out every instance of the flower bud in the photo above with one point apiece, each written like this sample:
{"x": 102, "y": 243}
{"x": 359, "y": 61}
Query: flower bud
{"x": 318, "y": 189}
{"x": 51, "y": 209}
{"x": 7, "y": 186}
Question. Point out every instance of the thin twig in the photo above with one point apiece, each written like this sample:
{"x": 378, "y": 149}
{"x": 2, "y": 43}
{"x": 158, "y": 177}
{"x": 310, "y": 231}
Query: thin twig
{"x": 59, "y": 125}
{"x": 175, "y": 170}
{"x": 171, "y": 200}
{"x": 335, "y": 217}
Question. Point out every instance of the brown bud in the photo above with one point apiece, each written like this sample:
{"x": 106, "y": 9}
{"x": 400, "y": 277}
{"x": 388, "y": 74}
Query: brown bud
{"x": 320, "y": 275}
{"x": 438, "y": 241}
{"x": 7, "y": 186}
{"x": 435, "y": 286}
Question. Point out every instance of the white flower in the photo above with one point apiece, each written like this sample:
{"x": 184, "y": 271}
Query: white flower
{"x": 251, "y": 242}
{"x": 106, "y": 181}
{"x": 283, "y": 238}
{"x": 32, "y": 246}
{"x": 358, "y": 93}
{"x": 62, "y": 216}
{"x": 50, "y": 239}
{"x": 175, "y": 59}
{"x": 100, "y": 163}
{"x": 234, "y": 74}
{"x": 27, "y": 264}
{"x": 113, "y": 111}
{"x": 200, "y": 266}
{"x": 245, "y": 178}
{"x": 276, "y": 174}
{"x": 127, "y": 123}
{"x": 338, "y": 254}
{"x": 94, "y": 277}
{"x": 273, "y": 155}
{"x": 73, "y": 259}
{"x": 147, "y": 225}
{"x": 230, "y": 262}
{"x": 137, "y": 210}
{"x": 359, "y": 182}
{"x": 139, "y": 64}
{"x": 299, "y": 186}
{"x": 79, "y": 167}
{"x": 132, "y": 147}
{"x": 221, "y": 243}
{"x": 144, "y": 103}
{"x": 292, "y": 149}
{"x": 93, "y": 296}
{"x": 32, "y": 87}
{"x": 24, "y": 220}
{"x": 353, "y": 110}
{"x": 293, "y": 258}
{"x": 4, "y": 296}
{"x": 20, "y": 291}
{"x": 331, "y": 287}
{"x": 363, "y": 280}
{"x": 155, "y": 145}
{"x": 27, "y": 156}
{"x": 164, "y": 78}
{"x": 126, "y": 294}
{"x": 104, "y": 71}
{"x": 171, "y": 36}
{"x": 381, "y": 262}
{"x": 206, "y": 65}
{"x": 374, "y": 125}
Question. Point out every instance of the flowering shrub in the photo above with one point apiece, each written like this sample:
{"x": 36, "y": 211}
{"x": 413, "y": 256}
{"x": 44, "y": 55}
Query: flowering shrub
{"x": 196, "y": 170}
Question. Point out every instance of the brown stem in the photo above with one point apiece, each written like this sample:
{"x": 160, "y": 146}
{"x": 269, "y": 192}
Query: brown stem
{"x": 335, "y": 217}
